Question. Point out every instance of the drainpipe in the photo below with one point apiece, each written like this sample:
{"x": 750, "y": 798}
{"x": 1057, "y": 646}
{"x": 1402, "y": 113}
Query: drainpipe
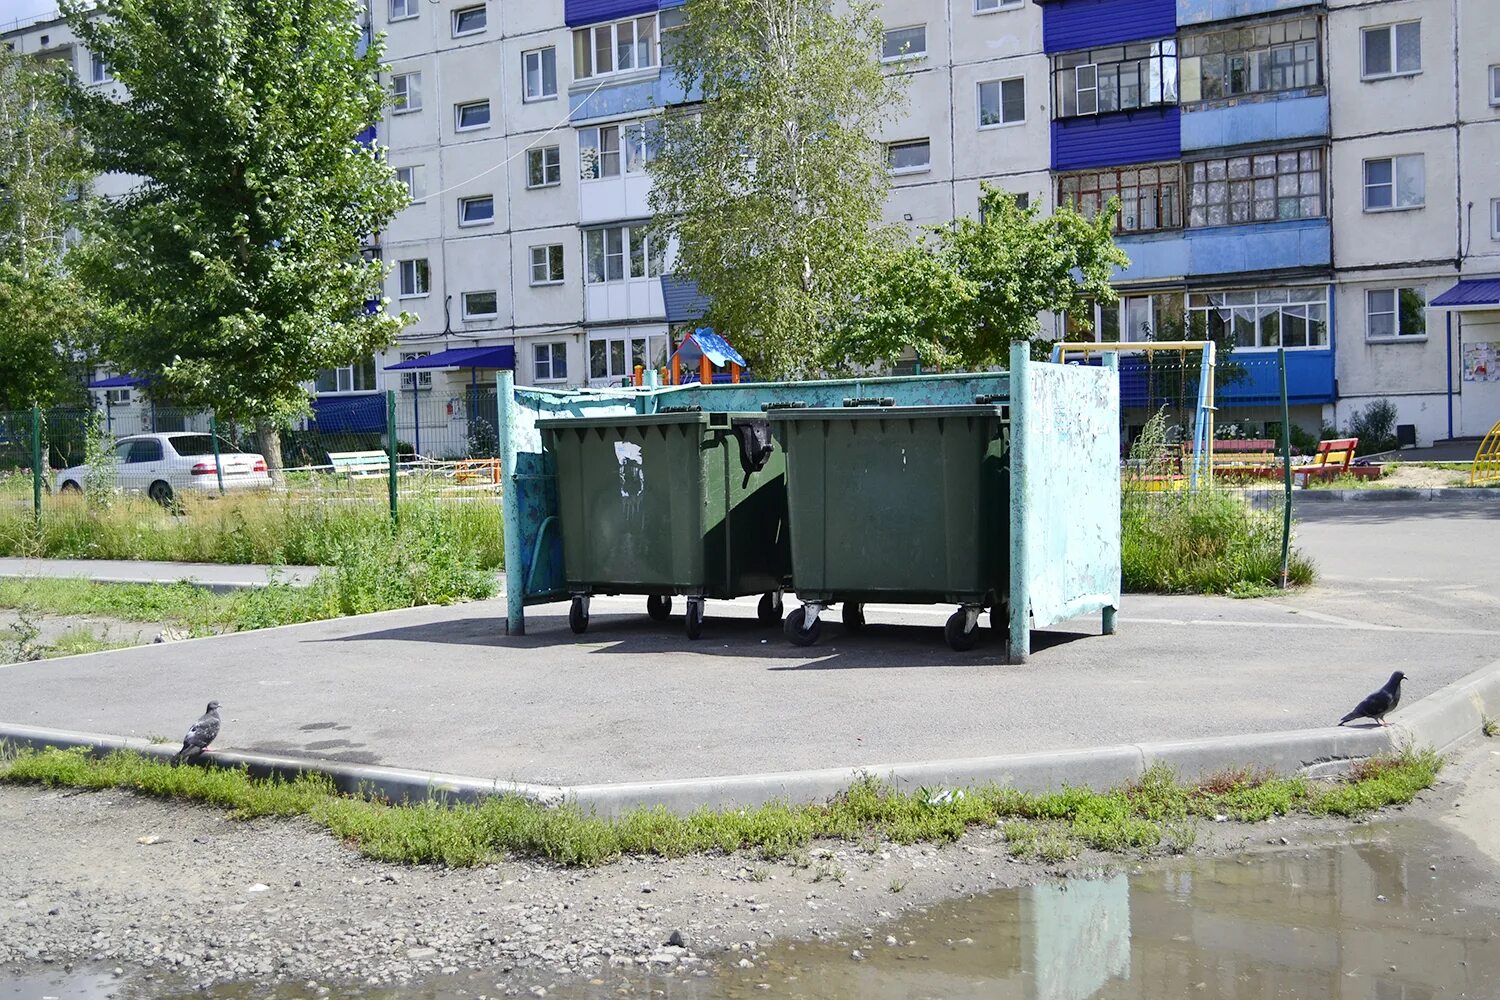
{"x": 1450, "y": 374}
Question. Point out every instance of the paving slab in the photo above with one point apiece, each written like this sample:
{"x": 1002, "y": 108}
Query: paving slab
{"x": 213, "y": 576}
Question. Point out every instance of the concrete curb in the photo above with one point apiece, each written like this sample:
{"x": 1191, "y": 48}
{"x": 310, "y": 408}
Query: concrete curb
{"x": 1444, "y": 720}
{"x": 1442, "y": 493}
{"x": 213, "y": 587}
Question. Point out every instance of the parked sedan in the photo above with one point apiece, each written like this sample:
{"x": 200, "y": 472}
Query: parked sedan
{"x": 164, "y": 465}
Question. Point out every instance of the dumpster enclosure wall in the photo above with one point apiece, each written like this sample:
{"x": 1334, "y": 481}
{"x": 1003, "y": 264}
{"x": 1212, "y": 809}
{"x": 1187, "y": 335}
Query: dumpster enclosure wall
{"x": 1064, "y": 477}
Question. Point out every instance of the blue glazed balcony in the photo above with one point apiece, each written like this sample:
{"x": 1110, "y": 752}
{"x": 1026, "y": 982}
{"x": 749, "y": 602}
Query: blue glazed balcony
{"x": 1299, "y": 115}
{"x": 1268, "y": 246}
{"x": 647, "y": 94}
{"x": 1082, "y": 24}
{"x": 1205, "y": 11}
{"x": 1115, "y": 139}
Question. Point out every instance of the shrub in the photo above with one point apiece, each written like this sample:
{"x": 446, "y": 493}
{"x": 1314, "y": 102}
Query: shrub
{"x": 1206, "y": 542}
{"x": 1375, "y": 426}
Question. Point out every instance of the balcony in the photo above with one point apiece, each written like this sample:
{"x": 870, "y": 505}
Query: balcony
{"x": 1270, "y": 246}
{"x": 1082, "y": 24}
{"x": 1309, "y": 381}
{"x": 1191, "y": 12}
{"x": 1294, "y": 115}
{"x": 1117, "y": 138}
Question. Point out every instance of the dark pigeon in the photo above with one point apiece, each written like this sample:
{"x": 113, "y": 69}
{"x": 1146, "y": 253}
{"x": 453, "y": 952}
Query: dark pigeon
{"x": 199, "y": 735}
{"x": 1379, "y": 704}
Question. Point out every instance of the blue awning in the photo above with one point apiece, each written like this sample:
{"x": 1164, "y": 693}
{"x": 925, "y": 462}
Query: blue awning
{"x": 1471, "y": 293}
{"x": 461, "y": 357}
{"x": 117, "y": 382}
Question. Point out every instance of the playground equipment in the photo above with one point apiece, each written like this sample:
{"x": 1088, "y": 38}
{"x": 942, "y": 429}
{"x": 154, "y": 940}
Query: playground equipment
{"x": 1486, "y": 468}
{"x": 704, "y": 357}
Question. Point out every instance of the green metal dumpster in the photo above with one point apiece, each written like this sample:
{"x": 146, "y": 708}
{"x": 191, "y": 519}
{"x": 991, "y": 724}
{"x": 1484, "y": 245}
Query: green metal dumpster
{"x": 904, "y": 505}
{"x": 679, "y": 502}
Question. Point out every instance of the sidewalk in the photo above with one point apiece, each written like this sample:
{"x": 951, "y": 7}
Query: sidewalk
{"x": 217, "y": 577}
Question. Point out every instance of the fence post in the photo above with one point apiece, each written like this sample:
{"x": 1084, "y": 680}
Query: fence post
{"x": 1286, "y": 471}
{"x": 36, "y": 460}
{"x": 213, "y": 436}
{"x": 392, "y": 459}
{"x": 1020, "y": 597}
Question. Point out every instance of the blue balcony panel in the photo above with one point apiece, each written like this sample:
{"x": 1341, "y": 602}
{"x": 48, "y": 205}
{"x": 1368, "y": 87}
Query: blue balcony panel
{"x": 1255, "y": 120}
{"x": 1205, "y": 11}
{"x": 1309, "y": 381}
{"x": 1082, "y": 24}
{"x": 1116, "y": 139}
{"x": 1265, "y": 246}
{"x": 1154, "y": 257}
{"x": 581, "y": 12}
{"x": 647, "y": 95}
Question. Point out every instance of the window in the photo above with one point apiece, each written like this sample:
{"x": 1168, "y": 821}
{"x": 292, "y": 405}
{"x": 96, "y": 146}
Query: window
{"x": 544, "y": 166}
{"x": 476, "y": 211}
{"x": 641, "y": 142}
{"x": 621, "y": 47}
{"x": 983, "y": 6}
{"x": 605, "y": 252}
{"x": 539, "y": 73}
{"x": 615, "y": 357}
{"x": 350, "y": 378}
{"x": 415, "y": 379}
{"x": 1117, "y": 78}
{"x": 599, "y": 152}
{"x": 550, "y": 361}
{"x": 416, "y": 277}
{"x": 481, "y": 304}
{"x": 1495, "y": 86}
{"x": 1266, "y": 317}
{"x": 473, "y": 115}
{"x": 909, "y": 157}
{"x": 1264, "y": 187}
{"x": 414, "y": 179}
{"x": 141, "y": 450}
{"x": 98, "y": 69}
{"x": 470, "y": 20}
{"x": 403, "y": 9}
{"x": 1495, "y": 219}
{"x": 1150, "y": 196}
{"x": 1002, "y": 102}
{"x": 1391, "y": 50}
{"x": 407, "y": 90}
{"x": 1395, "y": 182}
{"x": 903, "y": 43}
{"x": 1251, "y": 60}
{"x": 117, "y": 397}
{"x": 1022, "y": 199}
{"x": 547, "y": 264}
{"x": 1395, "y": 313}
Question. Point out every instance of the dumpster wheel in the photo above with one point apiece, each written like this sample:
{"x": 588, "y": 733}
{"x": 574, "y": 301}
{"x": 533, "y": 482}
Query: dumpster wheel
{"x": 854, "y": 616}
{"x": 962, "y": 629}
{"x": 768, "y": 611}
{"x": 659, "y": 607}
{"x": 578, "y": 615}
{"x": 800, "y": 636}
{"x": 694, "y": 617}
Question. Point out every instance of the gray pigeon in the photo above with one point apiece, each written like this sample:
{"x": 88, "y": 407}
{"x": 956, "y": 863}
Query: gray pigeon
{"x": 199, "y": 735}
{"x": 1380, "y": 703}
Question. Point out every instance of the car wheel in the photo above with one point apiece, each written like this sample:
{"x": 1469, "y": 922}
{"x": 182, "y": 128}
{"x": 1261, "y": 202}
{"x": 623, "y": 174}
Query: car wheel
{"x": 161, "y": 492}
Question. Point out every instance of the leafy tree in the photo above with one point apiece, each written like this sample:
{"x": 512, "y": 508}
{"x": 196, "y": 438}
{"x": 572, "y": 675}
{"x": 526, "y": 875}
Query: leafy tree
{"x": 774, "y": 185}
{"x": 43, "y": 312}
{"x": 962, "y": 294}
{"x": 233, "y": 268}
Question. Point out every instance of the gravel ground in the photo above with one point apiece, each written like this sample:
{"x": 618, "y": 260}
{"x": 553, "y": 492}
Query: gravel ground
{"x": 91, "y": 879}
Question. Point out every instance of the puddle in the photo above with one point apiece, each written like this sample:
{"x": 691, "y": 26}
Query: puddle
{"x": 1369, "y": 919}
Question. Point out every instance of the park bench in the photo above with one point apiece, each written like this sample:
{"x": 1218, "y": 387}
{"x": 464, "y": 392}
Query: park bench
{"x": 1244, "y": 458}
{"x": 360, "y": 464}
{"x": 1334, "y": 458}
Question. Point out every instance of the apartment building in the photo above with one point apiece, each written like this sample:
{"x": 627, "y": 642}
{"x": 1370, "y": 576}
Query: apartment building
{"x": 1320, "y": 176}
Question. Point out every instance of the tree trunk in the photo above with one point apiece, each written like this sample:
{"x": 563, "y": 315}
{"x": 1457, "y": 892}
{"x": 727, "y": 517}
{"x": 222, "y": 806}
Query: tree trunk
{"x": 269, "y": 436}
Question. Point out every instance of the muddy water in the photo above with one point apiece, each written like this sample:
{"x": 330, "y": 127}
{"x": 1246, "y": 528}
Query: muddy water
{"x": 1392, "y": 911}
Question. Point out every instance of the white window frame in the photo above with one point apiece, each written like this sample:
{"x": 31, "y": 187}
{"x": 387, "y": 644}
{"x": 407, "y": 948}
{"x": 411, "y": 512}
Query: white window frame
{"x": 638, "y": 144}
{"x": 1495, "y": 86}
{"x": 465, "y": 33}
{"x": 555, "y": 350}
{"x": 544, "y": 94}
{"x": 458, "y": 115}
{"x": 464, "y": 203}
{"x": 1390, "y": 35}
{"x": 401, "y": 90}
{"x": 1394, "y": 161}
{"x": 1395, "y": 313}
{"x": 597, "y": 145}
{"x": 550, "y": 253}
{"x": 1495, "y": 218}
{"x": 421, "y": 278}
{"x": 1304, "y": 298}
{"x": 555, "y": 167}
{"x": 117, "y": 397}
{"x": 99, "y": 69}
{"x": 468, "y": 314}
{"x": 999, "y": 86}
{"x": 631, "y": 238}
{"x": 992, "y": 6}
{"x": 415, "y": 180}
{"x": 344, "y": 378}
{"x": 628, "y": 340}
{"x": 917, "y": 169}
{"x": 915, "y": 53}
{"x": 1092, "y": 89}
{"x": 405, "y": 10}
{"x": 415, "y": 379}
{"x": 588, "y": 71}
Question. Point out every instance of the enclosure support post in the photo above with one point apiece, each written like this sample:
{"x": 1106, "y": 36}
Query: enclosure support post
{"x": 510, "y": 505}
{"x": 36, "y": 460}
{"x": 416, "y": 417}
{"x": 1109, "y": 621}
{"x": 213, "y": 436}
{"x": 392, "y": 459}
{"x": 1020, "y": 598}
{"x": 1286, "y": 470}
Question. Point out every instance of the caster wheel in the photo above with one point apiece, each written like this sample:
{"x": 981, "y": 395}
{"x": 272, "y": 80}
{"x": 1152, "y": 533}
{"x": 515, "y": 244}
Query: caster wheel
{"x": 792, "y": 626}
{"x": 768, "y": 612}
{"x": 953, "y": 631}
{"x": 694, "y": 619}
{"x": 659, "y": 607}
{"x": 578, "y": 619}
{"x": 854, "y": 616}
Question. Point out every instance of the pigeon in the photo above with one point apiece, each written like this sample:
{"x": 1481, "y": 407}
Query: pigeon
{"x": 1380, "y": 703}
{"x": 199, "y": 735}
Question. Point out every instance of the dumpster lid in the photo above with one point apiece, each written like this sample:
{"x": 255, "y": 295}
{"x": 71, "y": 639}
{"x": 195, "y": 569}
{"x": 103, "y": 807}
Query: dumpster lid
{"x": 830, "y": 413}
{"x": 647, "y": 419}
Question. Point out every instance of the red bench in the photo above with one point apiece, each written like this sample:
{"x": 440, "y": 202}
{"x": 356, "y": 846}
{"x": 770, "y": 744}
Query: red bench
{"x": 1334, "y": 458}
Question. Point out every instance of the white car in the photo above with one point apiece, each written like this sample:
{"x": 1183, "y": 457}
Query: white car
{"x": 164, "y": 465}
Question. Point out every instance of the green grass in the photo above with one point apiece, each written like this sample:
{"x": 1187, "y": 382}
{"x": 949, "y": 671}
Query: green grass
{"x": 1207, "y": 542}
{"x": 82, "y": 640}
{"x": 1157, "y": 812}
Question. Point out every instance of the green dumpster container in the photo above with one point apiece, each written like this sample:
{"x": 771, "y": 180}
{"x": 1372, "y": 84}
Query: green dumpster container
{"x": 672, "y": 503}
{"x": 904, "y": 505}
